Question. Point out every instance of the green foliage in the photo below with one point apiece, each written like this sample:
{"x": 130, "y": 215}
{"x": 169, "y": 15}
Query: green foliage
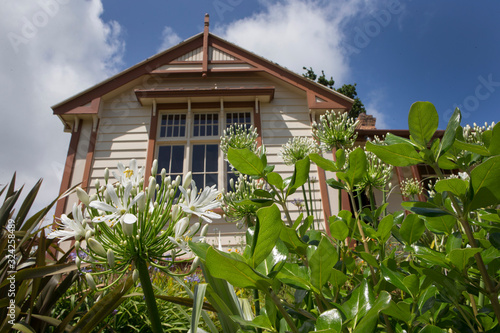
{"x": 441, "y": 277}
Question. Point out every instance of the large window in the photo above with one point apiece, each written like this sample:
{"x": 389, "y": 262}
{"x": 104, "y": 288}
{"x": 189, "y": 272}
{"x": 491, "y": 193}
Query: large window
{"x": 191, "y": 143}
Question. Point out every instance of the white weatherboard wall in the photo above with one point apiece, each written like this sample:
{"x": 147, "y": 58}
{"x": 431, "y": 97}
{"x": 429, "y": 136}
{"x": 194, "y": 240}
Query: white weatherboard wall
{"x": 124, "y": 126}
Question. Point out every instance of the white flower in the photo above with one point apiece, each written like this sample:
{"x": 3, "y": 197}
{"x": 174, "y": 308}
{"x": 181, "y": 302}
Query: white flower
{"x": 201, "y": 205}
{"x": 183, "y": 236}
{"x": 120, "y": 209}
{"x": 132, "y": 174}
{"x": 72, "y": 228}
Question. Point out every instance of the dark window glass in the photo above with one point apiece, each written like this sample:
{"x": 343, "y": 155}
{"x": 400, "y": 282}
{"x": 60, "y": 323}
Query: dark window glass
{"x": 198, "y": 158}
{"x": 212, "y": 158}
{"x": 177, "y": 159}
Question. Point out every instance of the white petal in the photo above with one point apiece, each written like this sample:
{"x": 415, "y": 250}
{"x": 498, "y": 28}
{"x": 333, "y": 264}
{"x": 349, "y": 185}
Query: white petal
{"x": 102, "y": 206}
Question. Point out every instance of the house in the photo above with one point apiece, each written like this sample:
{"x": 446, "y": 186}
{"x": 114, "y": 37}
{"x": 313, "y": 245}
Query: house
{"x": 174, "y": 106}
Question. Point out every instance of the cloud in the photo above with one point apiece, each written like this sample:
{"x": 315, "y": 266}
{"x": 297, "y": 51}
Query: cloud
{"x": 298, "y": 33}
{"x": 375, "y": 100}
{"x": 51, "y": 49}
{"x": 169, "y": 39}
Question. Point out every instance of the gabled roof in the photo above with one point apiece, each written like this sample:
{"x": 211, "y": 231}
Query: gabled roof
{"x": 204, "y": 51}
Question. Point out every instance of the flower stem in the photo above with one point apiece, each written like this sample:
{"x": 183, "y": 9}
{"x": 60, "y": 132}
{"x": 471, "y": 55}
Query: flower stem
{"x": 149, "y": 295}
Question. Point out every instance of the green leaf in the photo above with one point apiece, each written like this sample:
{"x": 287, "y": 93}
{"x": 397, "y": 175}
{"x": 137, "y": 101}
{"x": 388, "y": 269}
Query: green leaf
{"x": 330, "y": 319}
{"x": 321, "y": 262}
{"x": 434, "y": 257}
{"x": 460, "y": 257}
{"x": 323, "y": 163}
{"x": 275, "y": 179}
{"x": 391, "y": 139}
{"x": 444, "y": 223}
{"x": 295, "y": 276}
{"x": 485, "y": 179}
{"x": 384, "y": 228}
{"x": 454, "y": 185}
{"x": 292, "y": 241}
{"x": 274, "y": 261}
{"x": 399, "y": 154}
{"x": 369, "y": 321}
{"x": 423, "y": 121}
{"x": 333, "y": 183}
{"x": 472, "y": 147}
{"x": 270, "y": 225}
{"x": 245, "y": 162}
{"x": 450, "y": 132}
{"x": 394, "y": 278}
{"x": 261, "y": 321}
{"x": 337, "y": 278}
{"x": 23, "y": 327}
{"x": 358, "y": 304}
{"x": 236, "y": 272}
{"x": 263, "y": 193}
{"x": 424, "y": 208}
{"x": 412, "y": 228}
{"x": 300, "y": 174}
{"x": 370, "y": 259}
{"x": 103, "y": 308}
{"x": 199, "y": 296}
{"x": 338, "y": 229}
{"x": 494, "y": 147}
{"x": 357, "y": 167}
{"x": 412, "y": 284}
{"x": 340, "y": 158}
{"x": 400, "y": 311}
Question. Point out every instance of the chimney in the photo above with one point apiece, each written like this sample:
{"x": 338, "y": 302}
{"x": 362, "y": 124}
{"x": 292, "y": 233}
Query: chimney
{"x": 366, "y": 121}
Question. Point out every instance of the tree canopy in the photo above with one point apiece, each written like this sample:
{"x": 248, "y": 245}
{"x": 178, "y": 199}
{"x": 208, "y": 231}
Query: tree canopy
{"x": 348, "y": 90}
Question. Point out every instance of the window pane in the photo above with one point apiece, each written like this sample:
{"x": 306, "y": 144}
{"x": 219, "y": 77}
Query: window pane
{"x": 198, "y": 179}
{"x": 209, "y": 130}
{"x": 215, "y": 130}
{"x": 169, "y": 132}
{"x": 202, "y": 130}
{"x": 177, "y": 159}
{"x": 196, "y": 132}
{"x": 163, "y": 120}
{"x": 164, "y": 158}
{"x": 162, "y": 132}
{"x": 176, "y": 131}
{"x": 212, "y": 158}
{"x": 183, "y": 131}
{"x": 211, "y": 179}
{"x": 198, "y": 158}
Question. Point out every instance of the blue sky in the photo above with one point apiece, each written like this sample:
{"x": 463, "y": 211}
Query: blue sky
{"x": 397, "y": 51}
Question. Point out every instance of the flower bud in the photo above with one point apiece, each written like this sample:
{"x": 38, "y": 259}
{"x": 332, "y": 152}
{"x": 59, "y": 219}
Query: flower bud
{"x": 106, "y": 175}
{"x": 78, "y": 262}
{"x": 93, "y": 197}
{"x": 141, "y": 203}
{"x": 90, "y": 281}
{"x": 187, "y": 180}
{"x": 82, "y": 196}
{"x": 88, "y": 234}
{"x": 154, "y": 168}
{"x": 204, "y": 230}
{"x": 163, "y": 174}
{"x": 97, "y": 247}
{"x": 135, "y": 275}
{"x": 181, "y": 226}
{"x": 111, "y": 258}
{"x": 151, "y": 187}
{"x": 77, "y": 246}
{"x": 128, "y": 229}
{"x": 195, "y": 264}
{"x": 97, "y": 184}
{"x": 175, "y": 212}
{"x": 177, "y": 180}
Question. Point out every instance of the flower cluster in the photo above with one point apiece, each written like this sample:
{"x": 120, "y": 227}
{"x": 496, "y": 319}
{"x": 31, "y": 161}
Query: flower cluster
{"x": 378, "y": 174}
{"x": 475, "y": 134}
{"x": 335, "y": 130}
{"x": 126, "y": 222}
{"x": 242, "y": 189}
{"x": 239, "y": 136}
{"x": 411, "y": 188}
{"x": 297, "y": 149}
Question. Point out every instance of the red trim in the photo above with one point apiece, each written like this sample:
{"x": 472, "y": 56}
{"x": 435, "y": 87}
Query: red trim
{"x": 328, "y": 104}
{"x": 93, "y": 108}
{"x": 151, "y": 146}
{"x": 215, "y": 62}
{"x": 257, "y": 122}
{"x": 68, "y": 169}
{"x": 325, "y": 200}
{"x": 208, "y": 105}
{"x": 363, "y": 133}
{"x": 205, "y": 47}
{"x": 89, "y": 160}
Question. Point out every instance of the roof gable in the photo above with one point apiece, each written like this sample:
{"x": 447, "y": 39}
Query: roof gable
{"x": 207, "y": 53}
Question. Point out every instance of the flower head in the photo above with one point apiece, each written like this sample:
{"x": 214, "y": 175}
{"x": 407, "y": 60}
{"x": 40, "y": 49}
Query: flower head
{"x": 202, "y": 204}
{"x": 119, "y": 209}
{"x": 335, "y": 130}
{"x": 133, "y": 174}
{"x": 75, "y": 227}
{"x": 297, "y": 149}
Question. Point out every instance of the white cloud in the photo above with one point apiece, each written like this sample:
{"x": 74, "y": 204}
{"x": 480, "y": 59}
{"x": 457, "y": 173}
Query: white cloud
{"x": 169, "y": 39}
{"x": 51, "y": 49}
{"x": 374, "y": 102}
{"x": 298, "y": 33}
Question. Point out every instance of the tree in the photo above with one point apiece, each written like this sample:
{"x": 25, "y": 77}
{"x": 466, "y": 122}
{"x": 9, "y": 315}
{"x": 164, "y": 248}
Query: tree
{"x": 348, "y": 90}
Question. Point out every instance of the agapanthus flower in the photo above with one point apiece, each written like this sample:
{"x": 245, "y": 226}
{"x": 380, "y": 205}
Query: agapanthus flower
{"x": 120, "y": 210}
{"x": 297, "y": 149}
{"x": 75, "y": 227}
{"x": 202, "y": 204}
{"x": 131, "y": 175}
